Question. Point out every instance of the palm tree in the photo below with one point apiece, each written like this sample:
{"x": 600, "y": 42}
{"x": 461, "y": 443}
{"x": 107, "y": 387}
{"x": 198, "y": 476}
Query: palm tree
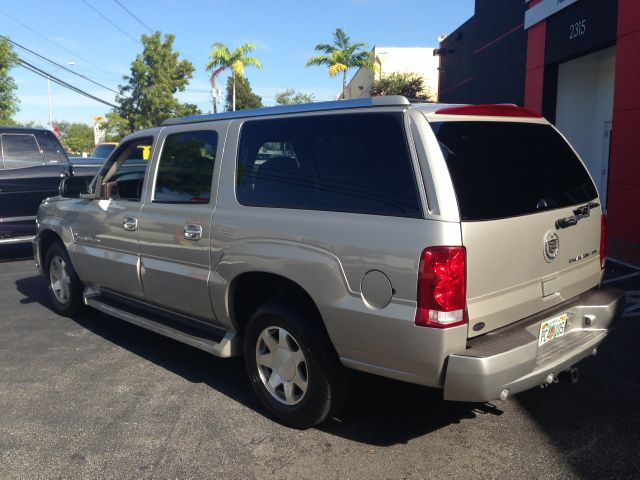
{"x": 221, "y": 58}
{"x": 342, "y": 56}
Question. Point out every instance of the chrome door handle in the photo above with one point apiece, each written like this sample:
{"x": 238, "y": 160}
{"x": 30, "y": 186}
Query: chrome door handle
{"x": 192, "y": 232}
{"x": 130, "y": 223}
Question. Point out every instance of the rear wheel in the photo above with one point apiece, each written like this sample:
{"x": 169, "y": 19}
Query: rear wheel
{"x": 292, "y": 367}
{"x": 65, "y": 288}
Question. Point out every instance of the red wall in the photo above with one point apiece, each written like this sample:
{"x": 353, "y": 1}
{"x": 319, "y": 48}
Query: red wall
{"x": 534, "y": 77}
{"x": 624, "y": 169}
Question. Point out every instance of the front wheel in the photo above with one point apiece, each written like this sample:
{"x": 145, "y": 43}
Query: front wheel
{"x": 65, "y": 288}
{"x": 292, "y": 367}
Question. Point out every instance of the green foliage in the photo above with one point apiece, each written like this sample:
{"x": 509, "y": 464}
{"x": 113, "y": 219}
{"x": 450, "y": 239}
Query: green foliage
{"x": 292, "y": 97}
{"x": 75, "y": 137}
{"x": 8, "y": 101}
{"x": 410, "y": 85}
{"x": 221, "y": 58}
{"x": 245, "y": 98}
{"x": 342, "y": 55}
{"x": 148, "y": 96}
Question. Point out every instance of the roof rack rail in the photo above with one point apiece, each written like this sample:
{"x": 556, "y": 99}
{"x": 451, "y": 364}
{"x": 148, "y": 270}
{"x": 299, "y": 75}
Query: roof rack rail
{"x": 382, "y": 101}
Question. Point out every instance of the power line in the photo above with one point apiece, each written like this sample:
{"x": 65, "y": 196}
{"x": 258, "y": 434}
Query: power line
{"x": 111, "y": 22}
{"x": 88, "y": 62}
{"x": 58, "y": 65}
{"x": 135, "y": 17}
{"x": 42, "y": 73}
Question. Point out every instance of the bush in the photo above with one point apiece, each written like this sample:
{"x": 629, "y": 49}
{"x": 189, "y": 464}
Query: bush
{"x": 410, "y": 85}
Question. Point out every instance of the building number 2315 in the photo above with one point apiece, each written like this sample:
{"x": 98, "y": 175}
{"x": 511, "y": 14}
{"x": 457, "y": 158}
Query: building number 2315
{"x": 577, "y": 29}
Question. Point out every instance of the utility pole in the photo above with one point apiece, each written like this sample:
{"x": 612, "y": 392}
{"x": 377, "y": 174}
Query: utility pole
{"x": 71, "y": 64}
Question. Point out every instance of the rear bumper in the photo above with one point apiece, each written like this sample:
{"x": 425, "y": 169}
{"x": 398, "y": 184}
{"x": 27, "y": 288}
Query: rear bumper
{"x": 510, "y": 358}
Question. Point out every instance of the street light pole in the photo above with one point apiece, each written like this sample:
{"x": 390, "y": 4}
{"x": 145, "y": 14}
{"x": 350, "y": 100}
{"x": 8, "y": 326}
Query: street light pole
{"x": 49, "y": 90}
{"x": 71, "y": 64}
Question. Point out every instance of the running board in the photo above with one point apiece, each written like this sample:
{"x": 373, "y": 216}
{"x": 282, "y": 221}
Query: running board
{"x": 226, "y": 345}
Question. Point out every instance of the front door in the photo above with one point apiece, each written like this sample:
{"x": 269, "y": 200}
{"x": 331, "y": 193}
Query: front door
{"x": 106, "y": 230}
{"x": 175, "y": 221}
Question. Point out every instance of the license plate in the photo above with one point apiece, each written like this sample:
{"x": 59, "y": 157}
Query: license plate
{"x": 552, "y": 329}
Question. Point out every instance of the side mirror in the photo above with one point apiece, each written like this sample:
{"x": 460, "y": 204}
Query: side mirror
{"x": 74, "y": 187}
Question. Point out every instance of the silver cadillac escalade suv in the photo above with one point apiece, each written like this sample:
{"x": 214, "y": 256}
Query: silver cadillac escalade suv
{"x": 457, "y": 247}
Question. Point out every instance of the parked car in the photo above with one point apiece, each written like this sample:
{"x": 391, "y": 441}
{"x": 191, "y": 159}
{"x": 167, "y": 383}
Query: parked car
{"x": 89, "y": 166}
{"x": 457, "y": 247}
{"x": 103, "y": 150}
{"x": 32, "y": 163}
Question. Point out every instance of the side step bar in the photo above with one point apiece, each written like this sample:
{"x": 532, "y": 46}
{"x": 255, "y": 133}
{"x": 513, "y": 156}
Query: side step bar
{"x": 226, "y": 345}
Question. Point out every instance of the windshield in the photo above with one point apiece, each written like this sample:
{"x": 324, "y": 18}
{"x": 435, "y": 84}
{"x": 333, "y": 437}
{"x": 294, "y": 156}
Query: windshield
{"x": 506, "y": 169}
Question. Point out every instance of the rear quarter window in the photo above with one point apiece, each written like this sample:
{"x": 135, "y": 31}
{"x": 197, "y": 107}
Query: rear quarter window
{"x": 506, "y": 169}
{"x": 358, "y": 163}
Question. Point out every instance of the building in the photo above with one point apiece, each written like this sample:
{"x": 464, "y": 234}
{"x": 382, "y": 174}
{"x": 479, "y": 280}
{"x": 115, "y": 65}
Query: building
{"x": 575, "y": 61}
{"x": 393, "y": 60}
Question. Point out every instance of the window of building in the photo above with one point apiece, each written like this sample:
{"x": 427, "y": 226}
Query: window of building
{"x": 185, "y": 171}
{"x": 357, "y": 163}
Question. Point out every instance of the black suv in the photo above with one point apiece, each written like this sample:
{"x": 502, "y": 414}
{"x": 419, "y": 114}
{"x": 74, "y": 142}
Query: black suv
{"x": 32, "y": 163}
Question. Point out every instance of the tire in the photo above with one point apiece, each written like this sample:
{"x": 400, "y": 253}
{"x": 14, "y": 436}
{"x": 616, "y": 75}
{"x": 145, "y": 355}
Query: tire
{"x": 65, "y": 288}
{"x": 292, "y": 366}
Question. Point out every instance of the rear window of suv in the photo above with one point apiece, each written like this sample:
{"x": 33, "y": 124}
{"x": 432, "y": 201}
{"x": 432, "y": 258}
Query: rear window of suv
{"x": 507, "y": 169}
{"x": 358, "y": 163}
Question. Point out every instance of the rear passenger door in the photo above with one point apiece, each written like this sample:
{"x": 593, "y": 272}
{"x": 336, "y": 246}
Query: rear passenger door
{"x": 26, "y": 179}
{"x": 175, "y": 221}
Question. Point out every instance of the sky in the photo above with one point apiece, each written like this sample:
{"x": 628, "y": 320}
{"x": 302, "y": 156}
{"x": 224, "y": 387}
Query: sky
{"x": 102, "y": 39}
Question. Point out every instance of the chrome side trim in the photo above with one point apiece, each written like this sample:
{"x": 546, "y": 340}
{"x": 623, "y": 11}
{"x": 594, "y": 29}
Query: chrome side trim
{"x": 6, "y": 241}
{"x": 17, "y": 219}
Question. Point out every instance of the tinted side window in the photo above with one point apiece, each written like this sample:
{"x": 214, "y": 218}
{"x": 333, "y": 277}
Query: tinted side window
{"x": 357, "y": 163}
{"x": 52, "y": 151}
{"x": 504, "y": 169}
{"x": 20, "y": 150}
{"x": 185, "y": 170}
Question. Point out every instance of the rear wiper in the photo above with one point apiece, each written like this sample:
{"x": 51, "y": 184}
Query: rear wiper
{"x": 578, "y": 213}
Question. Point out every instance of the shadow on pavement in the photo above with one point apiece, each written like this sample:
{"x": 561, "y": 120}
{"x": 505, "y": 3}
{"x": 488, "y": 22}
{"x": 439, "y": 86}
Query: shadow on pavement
{"x": 378, "y": 411}
{"x": 595, "y": 424}
{"x": 385, "y": 412}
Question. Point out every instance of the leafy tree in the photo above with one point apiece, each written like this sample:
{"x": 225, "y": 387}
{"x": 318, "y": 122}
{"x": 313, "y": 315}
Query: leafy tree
{"x": 8, "y": 101}
{"x": 342, "y": 55}
{"x": 222, "y": 58}
{"x": 244, "y": 96}
{"x": 75, "y": 137}
{"x": 292, "y": 97}
{"x": 410, "y": 85}
{"x": 31, "y": 124}
{"x": 148, "y": 96}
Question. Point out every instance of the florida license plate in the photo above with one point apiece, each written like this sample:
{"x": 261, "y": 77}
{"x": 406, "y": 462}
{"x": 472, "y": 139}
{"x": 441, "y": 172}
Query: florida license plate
{"x": 552, "y": 328}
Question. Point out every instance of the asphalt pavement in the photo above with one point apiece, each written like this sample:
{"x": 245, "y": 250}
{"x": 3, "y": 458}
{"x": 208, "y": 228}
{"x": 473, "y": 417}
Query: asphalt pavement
{"x": 95, "y": 397}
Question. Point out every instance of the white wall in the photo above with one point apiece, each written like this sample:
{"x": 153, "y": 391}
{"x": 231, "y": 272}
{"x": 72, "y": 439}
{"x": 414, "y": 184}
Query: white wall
{"x": 584, "y": 104}
{"x": 397, "y": 59}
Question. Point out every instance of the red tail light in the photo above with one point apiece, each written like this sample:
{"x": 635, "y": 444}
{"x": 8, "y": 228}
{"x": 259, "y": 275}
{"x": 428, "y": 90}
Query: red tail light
{"x": 442, "y": 287}
{"x": 603, "y": 239}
